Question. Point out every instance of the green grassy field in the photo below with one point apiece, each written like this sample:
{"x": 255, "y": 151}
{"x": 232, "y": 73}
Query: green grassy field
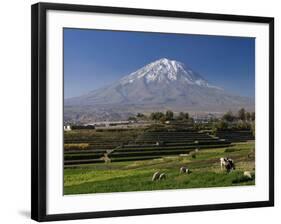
{"x": 136, "y": 175}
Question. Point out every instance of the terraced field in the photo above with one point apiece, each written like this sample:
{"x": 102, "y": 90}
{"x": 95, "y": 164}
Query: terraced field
{"x": 134, "y": 144}
{"x": 125, "y": 160}
{"x": 124, "y": 176}
{"x": 236, "y": 135}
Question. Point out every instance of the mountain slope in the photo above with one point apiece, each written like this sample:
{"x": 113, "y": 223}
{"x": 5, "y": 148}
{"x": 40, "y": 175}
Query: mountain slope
{"x": 163, "y": 84}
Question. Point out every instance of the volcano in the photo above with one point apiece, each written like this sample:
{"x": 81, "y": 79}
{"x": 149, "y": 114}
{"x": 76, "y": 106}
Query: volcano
{"x": 160, "y": 85}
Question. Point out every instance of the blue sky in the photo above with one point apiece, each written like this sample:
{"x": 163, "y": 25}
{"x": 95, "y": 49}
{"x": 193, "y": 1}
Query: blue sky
{"x": 95, "y": 58}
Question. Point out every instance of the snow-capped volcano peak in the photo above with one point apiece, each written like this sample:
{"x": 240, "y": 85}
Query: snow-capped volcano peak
{"x": 166, "y": 71}
{"x": 158, "y": 86}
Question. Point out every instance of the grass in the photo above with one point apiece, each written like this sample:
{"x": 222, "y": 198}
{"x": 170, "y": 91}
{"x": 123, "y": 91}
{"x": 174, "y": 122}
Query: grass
{"x": 136, "y": 175}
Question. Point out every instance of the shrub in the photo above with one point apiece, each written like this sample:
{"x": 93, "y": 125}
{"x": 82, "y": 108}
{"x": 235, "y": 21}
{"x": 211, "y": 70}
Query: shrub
{"x": 228, "y": 116}
{"x": 220, "y": 126}
{"x": 242, "y": 125}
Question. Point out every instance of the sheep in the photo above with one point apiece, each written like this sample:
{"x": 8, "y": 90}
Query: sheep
{"x": 248, "y": 174}
{"x": 184, "y": 170}
{"x": 162, "y": 176}
{"x": 156, "y": 176}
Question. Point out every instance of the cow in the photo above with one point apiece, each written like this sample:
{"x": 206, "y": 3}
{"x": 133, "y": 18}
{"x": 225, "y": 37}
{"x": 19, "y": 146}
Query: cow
{"x": 227, "y": 163}
{"x": 184, "y": 169}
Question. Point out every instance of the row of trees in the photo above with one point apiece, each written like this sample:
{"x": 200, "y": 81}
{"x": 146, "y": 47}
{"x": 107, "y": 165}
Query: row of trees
{"x": 169, "y": 115}
{"x": 160, "y": 116}
{"x": 240, "y": 125}
{"x": 241, "y": 118}
{"x": 242, "y": 115}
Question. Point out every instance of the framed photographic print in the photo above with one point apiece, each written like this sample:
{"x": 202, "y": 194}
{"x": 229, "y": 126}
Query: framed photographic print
{"x": 138, "y": 111}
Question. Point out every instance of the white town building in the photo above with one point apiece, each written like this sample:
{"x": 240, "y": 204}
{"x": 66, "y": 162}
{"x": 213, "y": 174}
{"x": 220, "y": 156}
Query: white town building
{"x": 67, "y": 128}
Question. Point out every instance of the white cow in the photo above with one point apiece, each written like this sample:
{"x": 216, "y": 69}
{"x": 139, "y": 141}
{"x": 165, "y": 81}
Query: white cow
{"x": 223, "y": 162}
{"x": 227, "y": 163}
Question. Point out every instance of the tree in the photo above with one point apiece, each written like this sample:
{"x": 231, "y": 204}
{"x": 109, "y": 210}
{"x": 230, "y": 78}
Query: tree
{"x": 169, "y": 115}
{"x": 242, "y": 114}
{"x": 186, "y": 116}
{"x": 222, "y": 125}
{"x": 131, "y": 118}
{"x": 228, "y": 116}
{"x": 248, "y": 116}
{"x": 152, "y": 116}
{"x": 140, "y": 115}
{"x": 253, "y": 116}
{"x": 181, "y": 116}
{"x": 156, "y": 115}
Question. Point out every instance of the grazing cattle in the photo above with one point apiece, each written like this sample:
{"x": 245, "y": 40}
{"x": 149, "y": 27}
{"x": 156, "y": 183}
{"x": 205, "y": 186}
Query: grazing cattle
{"x": 162, "y": 176}
{"x": 184, "y": 170}
{"x": 231, "y": 163}
{"x": 156, "y": 176}
{"x": 227, "y": 163}
{"x": 223, "y": 162}
{"x": 248, "y": 174}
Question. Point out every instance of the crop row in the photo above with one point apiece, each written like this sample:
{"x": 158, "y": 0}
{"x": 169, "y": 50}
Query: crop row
{"x": 106, "y": 145}
{"x": 173, "y": 144}
{"x": 122, "y": 159}
{"x": 143, "y": 147}
{"x": 136, "y": 153}
{"x": 236, "y": 135}
{"x": 173, "y": 135}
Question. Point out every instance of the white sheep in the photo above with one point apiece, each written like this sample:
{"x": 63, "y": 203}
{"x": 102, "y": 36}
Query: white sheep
{"x": 248, "y": 174}
{"x": 162, "y": 176}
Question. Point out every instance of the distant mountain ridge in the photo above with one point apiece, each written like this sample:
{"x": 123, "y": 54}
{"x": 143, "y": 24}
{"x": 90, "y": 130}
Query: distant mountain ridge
{"x": 162, "y": 84}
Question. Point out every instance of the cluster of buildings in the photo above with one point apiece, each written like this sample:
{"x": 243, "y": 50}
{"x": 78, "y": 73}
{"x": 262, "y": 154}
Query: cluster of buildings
{"x": 108, "y": 125}
{"x": 203, "y": 119}
{"x": 197, "y": 118}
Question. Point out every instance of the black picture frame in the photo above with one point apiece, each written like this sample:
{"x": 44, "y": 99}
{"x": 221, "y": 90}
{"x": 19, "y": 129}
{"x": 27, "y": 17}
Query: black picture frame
{"x": 39, "y": 124}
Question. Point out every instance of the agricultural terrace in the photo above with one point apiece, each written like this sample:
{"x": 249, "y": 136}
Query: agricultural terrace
{"x": 120, "y": 160}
